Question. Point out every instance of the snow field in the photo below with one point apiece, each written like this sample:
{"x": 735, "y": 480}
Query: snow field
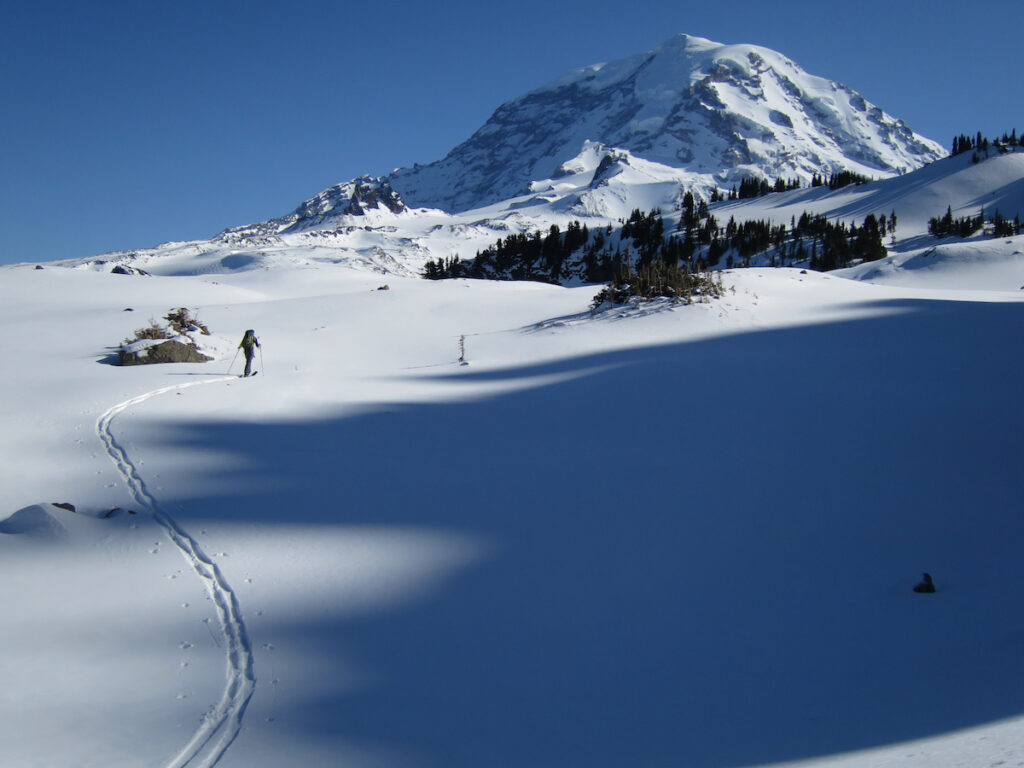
{"x": 658, "y": 536}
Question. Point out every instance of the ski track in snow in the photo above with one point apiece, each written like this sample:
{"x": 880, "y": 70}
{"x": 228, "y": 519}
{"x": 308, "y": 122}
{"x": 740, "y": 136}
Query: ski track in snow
{"x": 206, "y": 747}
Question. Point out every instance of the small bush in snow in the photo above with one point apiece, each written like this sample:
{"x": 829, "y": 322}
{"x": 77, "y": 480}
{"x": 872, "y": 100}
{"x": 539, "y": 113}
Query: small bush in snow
{"x": 658, "y": 280}
{"x": 152, "y": 331}
{"x": 182, "y": 320}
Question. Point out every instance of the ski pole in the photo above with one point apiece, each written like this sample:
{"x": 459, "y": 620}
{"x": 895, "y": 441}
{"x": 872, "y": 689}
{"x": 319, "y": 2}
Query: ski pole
{"x": 232, "y": 363}
{"x": 261, "y": 361}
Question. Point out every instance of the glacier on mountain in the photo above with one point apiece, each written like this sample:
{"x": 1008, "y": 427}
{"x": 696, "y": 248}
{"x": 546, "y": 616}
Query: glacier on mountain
{"x": 720, "y": 112}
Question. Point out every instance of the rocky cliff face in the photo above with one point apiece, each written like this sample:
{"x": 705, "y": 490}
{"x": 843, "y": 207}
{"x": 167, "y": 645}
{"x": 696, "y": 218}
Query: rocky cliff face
{"x": 353, "y": 198}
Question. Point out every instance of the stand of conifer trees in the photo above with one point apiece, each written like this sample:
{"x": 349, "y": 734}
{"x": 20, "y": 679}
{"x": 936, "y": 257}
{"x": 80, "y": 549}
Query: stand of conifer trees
{"x": 641, "y": 242}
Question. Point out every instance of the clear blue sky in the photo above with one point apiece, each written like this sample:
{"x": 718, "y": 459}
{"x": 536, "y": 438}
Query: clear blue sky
{"x": 126, "y": 124}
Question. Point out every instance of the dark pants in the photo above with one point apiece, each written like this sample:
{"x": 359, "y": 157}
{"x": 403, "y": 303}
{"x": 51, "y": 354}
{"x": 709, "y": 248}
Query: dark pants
{"x": 248, "y": 361}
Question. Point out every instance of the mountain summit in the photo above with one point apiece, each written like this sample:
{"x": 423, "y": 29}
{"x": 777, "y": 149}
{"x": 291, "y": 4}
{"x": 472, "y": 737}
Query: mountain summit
{"x": 721, "y": 111}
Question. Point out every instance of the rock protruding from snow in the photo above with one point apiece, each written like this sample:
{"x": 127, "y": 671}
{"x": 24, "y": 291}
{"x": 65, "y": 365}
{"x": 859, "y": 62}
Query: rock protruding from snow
{"x": 123, "y": 269}
{"x": 353, "y": 198}
{"x": 148, "y": 351}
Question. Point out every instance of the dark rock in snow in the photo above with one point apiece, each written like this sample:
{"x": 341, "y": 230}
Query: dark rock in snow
{"x": 167, "y": 351}
{"x": 927, "y": 586}
{"x": 121, "y": 269}
{"x": 352, "y": 198}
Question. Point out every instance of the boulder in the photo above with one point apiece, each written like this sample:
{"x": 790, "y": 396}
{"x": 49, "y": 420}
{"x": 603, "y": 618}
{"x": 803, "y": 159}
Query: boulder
{"x": 121, "y": 269}
{"x": 927, "y": 586}
{"x": 150, "y": 351}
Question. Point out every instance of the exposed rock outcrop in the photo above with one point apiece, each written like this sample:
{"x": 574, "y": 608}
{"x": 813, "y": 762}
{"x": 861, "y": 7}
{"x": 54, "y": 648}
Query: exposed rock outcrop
{"x": 150, "y": 351}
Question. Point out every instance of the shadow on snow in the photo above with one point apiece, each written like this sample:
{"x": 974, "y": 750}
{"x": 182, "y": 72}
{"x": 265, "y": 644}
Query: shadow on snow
{"x": 704, "y": 552}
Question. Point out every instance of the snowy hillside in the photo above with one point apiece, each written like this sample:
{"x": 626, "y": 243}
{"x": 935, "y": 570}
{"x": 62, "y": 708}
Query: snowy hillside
{"x": 993, "y": 184}
{"x": 599, "y": 188}
{"x": 656, "y": 536}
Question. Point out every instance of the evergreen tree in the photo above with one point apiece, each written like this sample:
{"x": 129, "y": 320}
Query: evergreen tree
{"x": 1001, "y": 227}
{"x": 868, "y": 244}
{"x": 432, "y": 270}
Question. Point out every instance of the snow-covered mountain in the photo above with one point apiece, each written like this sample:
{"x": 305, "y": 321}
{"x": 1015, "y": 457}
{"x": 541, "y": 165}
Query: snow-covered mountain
{"x": 601, "y": 142}
{"x": 721, "y": 111}
{"x": 592, "y": 145}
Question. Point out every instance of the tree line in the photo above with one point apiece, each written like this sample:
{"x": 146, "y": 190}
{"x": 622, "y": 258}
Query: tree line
{"x": 751, "y": 186}
{"x": 966, "y": 226}
{"x": 640, "y": 258}
{"x": 640, "y": 253}
{"x": 981, "y": 143}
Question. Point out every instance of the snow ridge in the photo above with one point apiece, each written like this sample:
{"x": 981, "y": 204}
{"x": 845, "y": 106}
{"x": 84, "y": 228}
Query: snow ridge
{"x": 226, "y": 717}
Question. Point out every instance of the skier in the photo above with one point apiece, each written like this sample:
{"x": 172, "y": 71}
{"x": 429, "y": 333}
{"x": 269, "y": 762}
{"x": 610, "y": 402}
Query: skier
{"x": 248, "y": 345}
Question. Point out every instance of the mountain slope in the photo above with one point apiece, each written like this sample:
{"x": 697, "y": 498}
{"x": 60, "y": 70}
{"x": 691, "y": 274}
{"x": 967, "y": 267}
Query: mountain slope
{"x": 724, "y": 110}
{"x": 599, "y": 188}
